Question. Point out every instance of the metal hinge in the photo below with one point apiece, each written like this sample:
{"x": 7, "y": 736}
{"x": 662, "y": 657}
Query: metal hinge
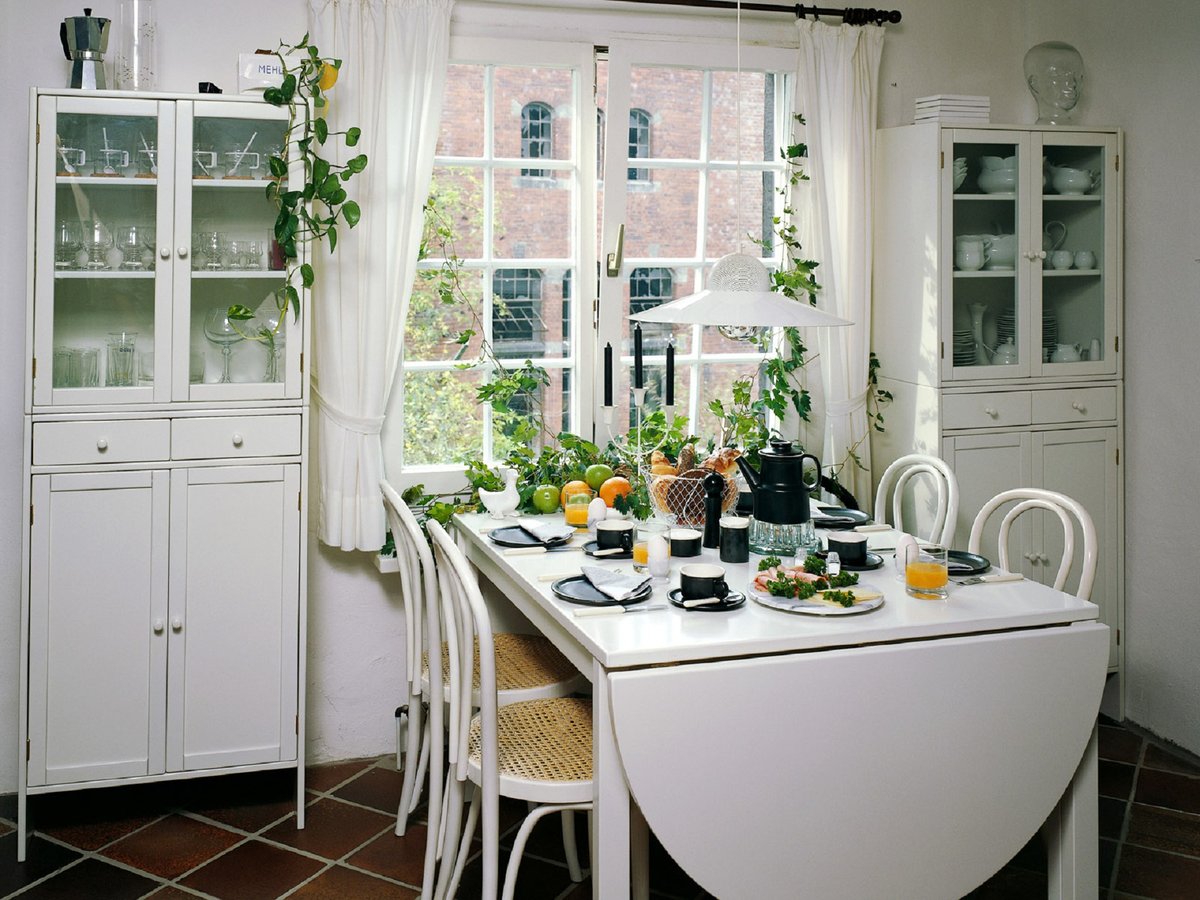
{"x": 1118, "y": 637}
{"x": 301, "y": 363}
{"x": 297, "y": 723}
{"x": 942, "y": 352}
{"x": 1118, "y": 456}
{"x": 38, "y": 133}
{"x": 34, "y": 364}
{"x": 1117, "y": 162}
{"x": 298, "y": 506}
{"x": 942, "y": 160}
{"x": 30, "y": 513}
{"x": 1117, "y": 344}
{"x": 28, "y": 752}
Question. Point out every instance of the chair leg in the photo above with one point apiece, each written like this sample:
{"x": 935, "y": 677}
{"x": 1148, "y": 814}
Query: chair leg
{"x": 448, "y": 835}
{"x": 518, "y": 850}
{"x": 464, "y": 848}
{"x": 422, "y": 762}
{"x": 410, "y": 792}
{"x": 570, "y": 848}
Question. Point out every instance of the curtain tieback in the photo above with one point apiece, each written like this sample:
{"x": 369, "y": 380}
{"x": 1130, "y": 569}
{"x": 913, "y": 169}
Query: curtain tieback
{"x": 356, "y": 424}
{"x": 846, "y": 408}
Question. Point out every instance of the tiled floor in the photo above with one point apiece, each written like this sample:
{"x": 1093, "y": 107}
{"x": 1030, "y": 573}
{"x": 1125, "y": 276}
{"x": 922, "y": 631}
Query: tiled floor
{"x": 234, "y": 838}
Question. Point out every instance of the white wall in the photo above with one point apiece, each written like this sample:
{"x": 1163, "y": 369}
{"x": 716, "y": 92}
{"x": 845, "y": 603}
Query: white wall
{"x": 355, "y": 629}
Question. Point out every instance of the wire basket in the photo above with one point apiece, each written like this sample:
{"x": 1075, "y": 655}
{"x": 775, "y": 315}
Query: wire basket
{"x": 680, "y": 501}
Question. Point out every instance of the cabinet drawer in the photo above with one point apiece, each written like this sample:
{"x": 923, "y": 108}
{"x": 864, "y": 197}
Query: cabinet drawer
{"x": 997, "y": 409}
{"x": 1075, "y": 405}
{"x": 118, "y": 441}
{"x": 233, "y": 436}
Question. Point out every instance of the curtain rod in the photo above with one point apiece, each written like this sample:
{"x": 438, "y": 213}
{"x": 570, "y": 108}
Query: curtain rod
{"x": 849, "y": 15}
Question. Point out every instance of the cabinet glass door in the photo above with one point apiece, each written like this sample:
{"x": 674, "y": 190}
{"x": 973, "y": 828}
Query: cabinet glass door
{"x": 102, "y": 315}
{"x": 224, "y": 224}
{"x": 988, "y": 328}
{"x": 1078, "y": 280}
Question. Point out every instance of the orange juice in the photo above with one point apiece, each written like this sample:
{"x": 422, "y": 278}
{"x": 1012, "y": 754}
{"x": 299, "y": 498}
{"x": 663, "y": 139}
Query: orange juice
{"x": 576, "y": 514}
{"x": 641, "y": 553}
{"x": 926, "y": 575}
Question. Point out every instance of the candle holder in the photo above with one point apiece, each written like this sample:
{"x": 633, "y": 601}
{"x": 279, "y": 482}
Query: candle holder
{"x": 636, "y": 453}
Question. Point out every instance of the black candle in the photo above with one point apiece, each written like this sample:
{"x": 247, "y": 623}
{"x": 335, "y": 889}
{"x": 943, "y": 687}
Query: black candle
{"x": 671, "y": 374}
{"x": 608, "y": 374}
{"x": 637, "y": 356}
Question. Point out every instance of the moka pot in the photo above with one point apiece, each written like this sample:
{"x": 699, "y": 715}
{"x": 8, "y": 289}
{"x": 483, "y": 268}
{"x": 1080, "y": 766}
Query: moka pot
{"x": 85, "y": 41}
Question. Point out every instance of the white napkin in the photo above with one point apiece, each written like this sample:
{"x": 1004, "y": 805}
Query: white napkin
{"x": 546, "y": 532}
{"x": 615, "y": 584}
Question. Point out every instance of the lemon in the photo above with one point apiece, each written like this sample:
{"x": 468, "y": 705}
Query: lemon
{"x": 329, "y": 77}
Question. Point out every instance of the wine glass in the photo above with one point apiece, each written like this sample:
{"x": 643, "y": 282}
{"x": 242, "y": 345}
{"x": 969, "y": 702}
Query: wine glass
{"x": 219, "y": 329}
{"x": 146, "y": 235}
{"x": 98, "y": 241}
{"x": 67, "y": 241}
{"x": 273, "y": 340}
{"x": 129, "y": 242}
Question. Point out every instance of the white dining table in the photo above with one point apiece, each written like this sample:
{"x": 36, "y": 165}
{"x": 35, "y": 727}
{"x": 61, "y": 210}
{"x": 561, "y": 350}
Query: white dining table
{"x": 909, "y": 751}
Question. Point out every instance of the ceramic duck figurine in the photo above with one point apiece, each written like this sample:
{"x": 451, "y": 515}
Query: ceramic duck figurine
{"x": 502, "y": 504}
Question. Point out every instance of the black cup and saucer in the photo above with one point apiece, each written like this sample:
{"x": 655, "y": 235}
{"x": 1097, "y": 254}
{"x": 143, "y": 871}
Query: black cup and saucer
{"x": 851, "y": 548}
{"x": 700, "y": 582}
{"x": 614, "y": 540}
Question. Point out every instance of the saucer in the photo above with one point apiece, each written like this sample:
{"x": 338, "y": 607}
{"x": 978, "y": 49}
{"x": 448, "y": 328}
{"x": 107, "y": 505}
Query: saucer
{"x": 591, "y": 547}
{"x": 874, "y": 561}
{"x": 732, "y": 600}
{"x": 577, "y": 589}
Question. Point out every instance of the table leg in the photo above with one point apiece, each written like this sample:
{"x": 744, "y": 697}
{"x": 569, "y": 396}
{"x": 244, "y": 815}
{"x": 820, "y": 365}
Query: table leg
{"x": 1073, "y": 835}
{"x": 610, "y": 836}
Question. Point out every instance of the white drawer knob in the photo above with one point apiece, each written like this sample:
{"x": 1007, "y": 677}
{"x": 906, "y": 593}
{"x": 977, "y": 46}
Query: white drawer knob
{"x": 183, "y": 252}
{"x": 102, "y": 445}
{"x": 1077, "y": 406}
{"x": 177, "y": 624}
{"x": 158, "y": 626}
{"x": 164, "y": 252}
{"x": 991, "y": 411}
{"x": 237, "y": 439}
{"x": 1041, "y": 254}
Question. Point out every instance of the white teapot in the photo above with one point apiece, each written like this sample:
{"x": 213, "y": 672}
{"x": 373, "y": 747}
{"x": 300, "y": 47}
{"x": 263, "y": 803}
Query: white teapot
{"x": 1006, "y": 354}
{"x": 1066, "y": 353}
{"x": 1074, "y": 181}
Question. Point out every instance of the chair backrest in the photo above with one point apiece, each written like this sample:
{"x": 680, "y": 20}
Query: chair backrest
{"x": 466, "y": 617}
{"x": 897, "y": 477}
{"x": 418, "y": 578}
{"x": 1064, "y": 508}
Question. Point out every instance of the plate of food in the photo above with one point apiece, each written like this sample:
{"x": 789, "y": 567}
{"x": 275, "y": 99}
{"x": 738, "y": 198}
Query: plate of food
{"x": 796, "y": 589}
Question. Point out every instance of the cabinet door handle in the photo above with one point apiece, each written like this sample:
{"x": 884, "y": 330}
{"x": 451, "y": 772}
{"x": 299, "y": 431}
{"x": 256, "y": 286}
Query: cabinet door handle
{"x": 177, "y": 624}
{"x": 237, "y": 439}
{"x": 102, "y": 445}
{"x": 1041, "y": 254}
{"x": 1078, "y": 407}
{"x": 183, "y": 252}
{"x": 991, "y": 411}
{"x": 158, "y": 626}
{"x": 164, "y": 252}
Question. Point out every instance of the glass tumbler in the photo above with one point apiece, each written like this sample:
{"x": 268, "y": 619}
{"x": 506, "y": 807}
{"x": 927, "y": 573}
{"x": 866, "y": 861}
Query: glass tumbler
{"x": 652, "y": 549}
{"x": 67, "y": 241}
{"x": 926, "y": 574}
{"x": 122, "y": 359}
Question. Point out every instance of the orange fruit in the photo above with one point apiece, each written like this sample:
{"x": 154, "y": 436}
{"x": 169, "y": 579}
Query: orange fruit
{"x": 329, "y": 77}
{"x": 614, "y": 487}
{"x": 573, "y": 487}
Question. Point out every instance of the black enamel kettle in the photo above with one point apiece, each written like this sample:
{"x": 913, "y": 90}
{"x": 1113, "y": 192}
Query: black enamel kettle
{"x": 780, "y": 491}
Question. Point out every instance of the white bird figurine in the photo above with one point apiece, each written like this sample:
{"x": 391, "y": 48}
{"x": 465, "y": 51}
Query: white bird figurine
{"x": 502, "y": 504}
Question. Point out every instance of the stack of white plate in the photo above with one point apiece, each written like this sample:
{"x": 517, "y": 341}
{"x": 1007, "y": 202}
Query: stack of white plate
{"x": 1006, "y": 326}
{"x": 964, "y": 347}
{"x": 953, "y": 108}
{"x": 1049, "y": 328}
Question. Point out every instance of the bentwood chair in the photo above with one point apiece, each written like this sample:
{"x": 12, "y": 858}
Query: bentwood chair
{"x": 1068, "y": 511}
{"x": 539, "y": 751}
{"x": 899, "y": 476}
{"x": 527, "y": 666}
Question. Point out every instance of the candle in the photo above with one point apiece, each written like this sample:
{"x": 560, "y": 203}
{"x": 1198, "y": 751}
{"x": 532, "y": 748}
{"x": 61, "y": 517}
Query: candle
{"x": 637, "y": 355}
{"x": 608, "y": 374}
{"x": 670, "y": 374}
{"x": 658, "y": 556}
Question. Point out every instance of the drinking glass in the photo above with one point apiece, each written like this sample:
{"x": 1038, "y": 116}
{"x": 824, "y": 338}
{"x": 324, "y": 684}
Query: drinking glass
{"x": 147, "y": 158}
{"x": 64, "y": 360}
{"x": 149, "y": 245}
{"x": 130, "y": 243}
{"x": 652, "y": 549}
{"x": 926, "y": 575}
{"x": 238, "y": 254}
{"x": 204, "y": 161}
{"x": 273, "y": 341}
{"x": 87, "y": 361}
{"x": 221, "y": 331}
{"x": 67, "y": 241}
{"x": 209, "y": 246}
{"x": 241, "y": 164}
{"x": 122, "y": 359}
{"x": 98, "y": 241}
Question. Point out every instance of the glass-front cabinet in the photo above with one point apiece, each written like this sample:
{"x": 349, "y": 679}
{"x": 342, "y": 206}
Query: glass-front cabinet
{"x": 152, "y": 218}
{"x": 1029, "y": 232}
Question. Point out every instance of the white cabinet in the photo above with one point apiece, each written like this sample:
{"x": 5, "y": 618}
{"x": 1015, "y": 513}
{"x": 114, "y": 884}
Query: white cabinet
{"x": 164, "y": 616}
{"x": 1007, "y": 363}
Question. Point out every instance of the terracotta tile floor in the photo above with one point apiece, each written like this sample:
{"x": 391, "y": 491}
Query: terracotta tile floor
{"x": 234, "y": 838}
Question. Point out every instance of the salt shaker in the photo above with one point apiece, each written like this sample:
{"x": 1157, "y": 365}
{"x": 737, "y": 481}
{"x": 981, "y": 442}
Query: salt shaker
{"x": 833, "y": 564}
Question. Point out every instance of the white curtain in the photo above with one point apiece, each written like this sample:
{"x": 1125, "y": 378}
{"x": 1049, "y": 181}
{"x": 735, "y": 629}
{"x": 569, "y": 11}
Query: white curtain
{"x": 393, "y": 56}
{"x": 838, "y": 72}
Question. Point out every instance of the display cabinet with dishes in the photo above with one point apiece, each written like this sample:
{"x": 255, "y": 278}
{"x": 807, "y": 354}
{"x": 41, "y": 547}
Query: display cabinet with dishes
{"x": 997, "y": 317}
{"x": 165, "y": 446}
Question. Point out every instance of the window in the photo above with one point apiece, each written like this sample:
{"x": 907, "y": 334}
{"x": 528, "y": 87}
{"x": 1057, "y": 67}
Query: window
{"x": 600, "y": 144}
{"x": 639, "y": 141}
{"x": 648, "y": 288}
{"x": 516, "y": 312}
{"x": 536, "y": 135}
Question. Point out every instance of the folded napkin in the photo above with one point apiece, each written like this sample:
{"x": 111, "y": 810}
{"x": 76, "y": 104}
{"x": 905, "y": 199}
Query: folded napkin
{"x": 546, "y": 532}
{"x": 615, "y": 584}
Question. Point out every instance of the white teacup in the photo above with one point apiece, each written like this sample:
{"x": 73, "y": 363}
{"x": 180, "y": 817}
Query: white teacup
{"x": 968, "y": 254}
{"x": 1085, "y": 259}
{"x": 1062, "y": 259}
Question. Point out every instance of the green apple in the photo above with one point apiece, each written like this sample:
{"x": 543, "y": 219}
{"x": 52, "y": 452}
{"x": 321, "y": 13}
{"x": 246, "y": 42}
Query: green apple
{"x": 597, "y": 474}
{"x": 545, "y": 498}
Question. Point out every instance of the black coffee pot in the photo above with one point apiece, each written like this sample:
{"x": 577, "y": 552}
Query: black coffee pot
{"x": 780, "y": 491}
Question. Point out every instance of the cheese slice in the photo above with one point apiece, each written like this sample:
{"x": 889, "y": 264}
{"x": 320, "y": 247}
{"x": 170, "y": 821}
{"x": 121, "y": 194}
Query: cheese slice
{"x": 861, "y": 594}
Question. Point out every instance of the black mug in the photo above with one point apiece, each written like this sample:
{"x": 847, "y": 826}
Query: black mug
{"x": 613, "y": 534}
{"x": 685, "y": 542}
{"x": 735, "y": 540}
{"x": 699, "y": 581}
{"x": 850, "y": 546}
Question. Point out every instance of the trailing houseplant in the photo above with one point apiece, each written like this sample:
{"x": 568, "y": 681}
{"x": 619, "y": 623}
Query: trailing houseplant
{"x": 312, "y": 209}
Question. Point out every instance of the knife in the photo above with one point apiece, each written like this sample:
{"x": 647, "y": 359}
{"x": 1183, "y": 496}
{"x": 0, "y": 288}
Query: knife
{"x": 993, "y": 579}
{"x": 535, "y": 550}
{"x": 614, "y": 610}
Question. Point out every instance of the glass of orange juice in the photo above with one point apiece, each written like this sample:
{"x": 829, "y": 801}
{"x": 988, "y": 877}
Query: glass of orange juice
{"x": 926, "y": 575}
{"x": 652, "y": 548}
{"x": 576, "y": 510}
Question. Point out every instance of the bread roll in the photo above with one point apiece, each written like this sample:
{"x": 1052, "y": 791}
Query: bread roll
{"x": 723, "y": 461}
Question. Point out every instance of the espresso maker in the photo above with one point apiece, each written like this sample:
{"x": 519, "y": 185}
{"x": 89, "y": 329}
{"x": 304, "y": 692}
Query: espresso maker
{"x": 85, "y": 40}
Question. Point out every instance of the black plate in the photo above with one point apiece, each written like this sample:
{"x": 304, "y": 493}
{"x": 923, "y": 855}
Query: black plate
{"x": 577, "y": 589}
{"x": 834, "y": 518}
{"x": 732, "y": 601}
{"x": 963, "y": 563}
{"x": 591, "y": 547}
{"x": 874, "y": 561}
{"x": 516, "y": 536}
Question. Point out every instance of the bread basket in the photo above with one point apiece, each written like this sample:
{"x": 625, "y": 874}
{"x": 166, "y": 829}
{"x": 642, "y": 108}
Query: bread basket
{"x": 679, "y": 499}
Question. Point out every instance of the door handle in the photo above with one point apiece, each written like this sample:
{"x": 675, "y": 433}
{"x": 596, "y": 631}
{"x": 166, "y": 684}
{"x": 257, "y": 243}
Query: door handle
{"x": 177, "y": 624}
{"x": 614, "y": 260}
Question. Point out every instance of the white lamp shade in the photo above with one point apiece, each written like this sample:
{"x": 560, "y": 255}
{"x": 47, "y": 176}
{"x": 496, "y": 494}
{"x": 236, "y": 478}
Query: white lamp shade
{"x": 740, "y": 296}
